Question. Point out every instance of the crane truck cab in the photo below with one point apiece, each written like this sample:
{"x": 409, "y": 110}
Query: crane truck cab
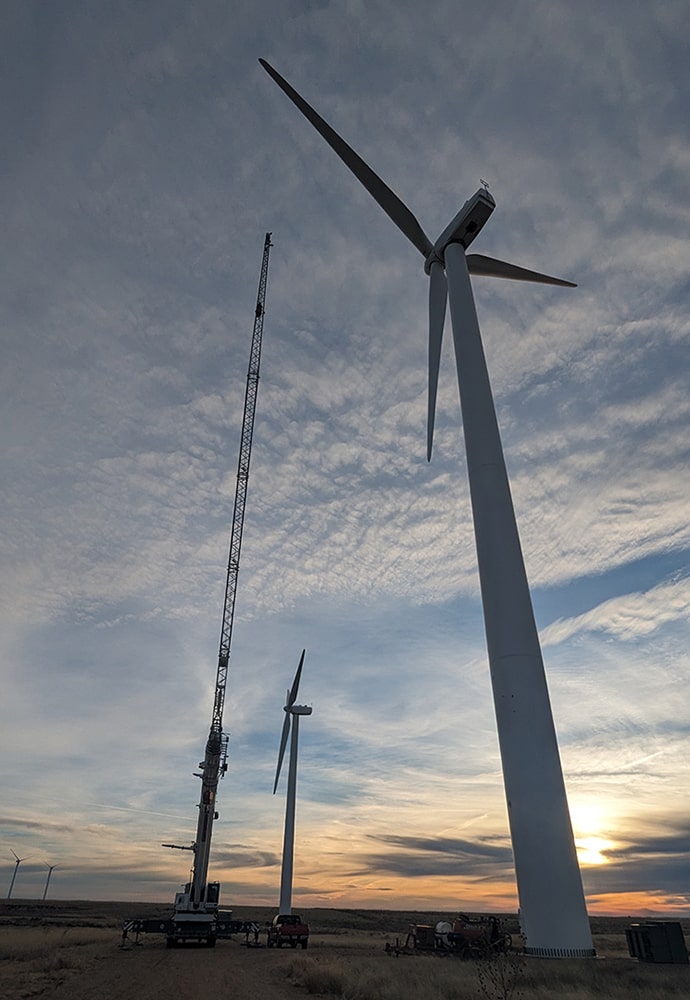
{"x": 192, "y": 921}
{"x": 288, "y": 929}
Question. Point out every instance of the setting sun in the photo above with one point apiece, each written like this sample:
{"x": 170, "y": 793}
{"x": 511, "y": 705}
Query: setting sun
{"x": 591, "y": 850}
{"x": 590, "y": 828}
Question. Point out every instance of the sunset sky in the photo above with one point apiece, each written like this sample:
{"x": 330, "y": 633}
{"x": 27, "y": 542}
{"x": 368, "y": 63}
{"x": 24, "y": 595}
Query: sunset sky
{"x": 145, "y": 155}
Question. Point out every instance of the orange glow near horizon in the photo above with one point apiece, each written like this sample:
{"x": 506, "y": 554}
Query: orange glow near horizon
{"x": 637, "y": 904}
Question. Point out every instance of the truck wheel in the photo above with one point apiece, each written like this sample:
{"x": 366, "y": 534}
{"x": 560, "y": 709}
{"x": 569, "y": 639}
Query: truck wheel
{"x": 170, "y": 942}
{"x": 211, "y": 941}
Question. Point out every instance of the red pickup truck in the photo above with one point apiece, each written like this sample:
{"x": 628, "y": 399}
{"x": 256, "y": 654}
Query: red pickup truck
{"x": 288, "y": 929}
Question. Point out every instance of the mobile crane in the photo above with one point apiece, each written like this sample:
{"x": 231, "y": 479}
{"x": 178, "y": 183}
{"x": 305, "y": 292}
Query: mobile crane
{"x": 196, "y": 915}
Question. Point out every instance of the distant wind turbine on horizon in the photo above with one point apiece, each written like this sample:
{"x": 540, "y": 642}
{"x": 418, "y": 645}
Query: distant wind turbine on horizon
{"x": 552, "y": 905}
{"x": 51, "y": 869}
{"x": 17, "y": 863}
{"x": 292, "y": 717}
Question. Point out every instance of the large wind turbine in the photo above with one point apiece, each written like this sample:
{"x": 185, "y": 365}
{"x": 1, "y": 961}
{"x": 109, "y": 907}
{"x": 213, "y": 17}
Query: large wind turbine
{"x": 292, "y": 715}
{"x": 552, "y": 905}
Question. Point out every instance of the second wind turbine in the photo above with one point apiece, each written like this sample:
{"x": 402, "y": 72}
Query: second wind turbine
{"x": 553, "y": 915}
{"x": 292, "y": 716}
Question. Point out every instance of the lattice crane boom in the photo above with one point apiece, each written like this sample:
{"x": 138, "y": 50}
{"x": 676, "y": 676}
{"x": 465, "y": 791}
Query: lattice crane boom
{"x": 250, "y": 397}
{"x": 214, "y": 765}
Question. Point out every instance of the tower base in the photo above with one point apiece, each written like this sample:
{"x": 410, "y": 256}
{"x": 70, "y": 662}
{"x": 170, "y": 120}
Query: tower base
{"x": 561, "y": 952}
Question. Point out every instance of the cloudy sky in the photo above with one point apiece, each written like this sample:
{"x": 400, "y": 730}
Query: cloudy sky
{"x": 145, "y": 155}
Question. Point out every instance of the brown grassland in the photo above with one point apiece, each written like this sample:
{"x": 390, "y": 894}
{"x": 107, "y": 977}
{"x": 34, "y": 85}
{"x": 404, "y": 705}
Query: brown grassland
{"x": 70, "y": 951}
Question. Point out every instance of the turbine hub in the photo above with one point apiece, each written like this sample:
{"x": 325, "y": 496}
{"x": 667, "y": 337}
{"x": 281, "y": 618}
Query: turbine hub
{"x": 433, "y": 258}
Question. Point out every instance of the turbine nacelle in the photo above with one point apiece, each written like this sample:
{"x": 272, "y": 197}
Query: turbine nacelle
{"x": 466, "y": 225}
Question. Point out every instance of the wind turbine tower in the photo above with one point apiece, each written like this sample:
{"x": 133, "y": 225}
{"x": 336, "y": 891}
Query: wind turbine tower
{"x": 552, "y": 904}
{"x": 292, "y": 717}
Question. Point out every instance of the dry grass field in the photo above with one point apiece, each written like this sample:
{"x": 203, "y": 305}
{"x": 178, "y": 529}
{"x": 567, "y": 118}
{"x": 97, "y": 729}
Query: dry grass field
{"x": 70, "y": 951}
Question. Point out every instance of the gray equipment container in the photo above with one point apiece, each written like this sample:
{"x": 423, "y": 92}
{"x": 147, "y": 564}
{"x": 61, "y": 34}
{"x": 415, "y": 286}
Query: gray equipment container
{"x": 657, "y": 941}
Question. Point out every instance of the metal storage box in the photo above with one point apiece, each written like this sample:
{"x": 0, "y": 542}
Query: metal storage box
{"x": 657, "y": 941}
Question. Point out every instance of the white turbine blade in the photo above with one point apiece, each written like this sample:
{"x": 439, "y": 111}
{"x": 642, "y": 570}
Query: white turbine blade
{"x": 391, "y": 204}
{"x": 438, "y": 296}
{"x": 292, "y": 693}
{"x": 489, "y": 267}
{"x": 283, "y": 743}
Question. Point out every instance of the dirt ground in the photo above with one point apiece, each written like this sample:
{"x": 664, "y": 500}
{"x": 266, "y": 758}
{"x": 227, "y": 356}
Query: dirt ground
{"x": 73, "y": 962}
{"x": 71, "y": 951}
{"x": 156, "y": 973}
